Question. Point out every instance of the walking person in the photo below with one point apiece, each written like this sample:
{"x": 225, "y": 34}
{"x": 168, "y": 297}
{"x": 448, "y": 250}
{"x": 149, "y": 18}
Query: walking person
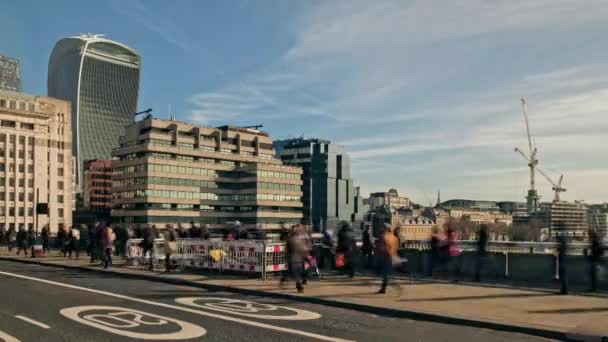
{"x": 452, "y": 252}
{"x": 107, "y": 242}
{"x": 170, "y": 245}
{"x": 482, "y": 248}
{"x": 149, "y": 234}
{"x": 75, "y": 248}
{"x": 45, "y": 234}
{"x": 205, "y": 234}
{"x": 368, "y": 246}
{"x": 562, "y": 250}
{"x": 60, "y": 239}
{"x": 195, "y": 231}
{"x": 181, "y": 231}
{"x": 346, "y": 246}
{"x": 3, "y": 235}
{"x": 595, "y": 256}
{"x": 11, "y": 238}
{"x": 435, "y": 253}
{"x": 387, "y": 256}
{"x": 68, "y": 243}
{"x": 92, "y": 247}
{"x": 22, "y": 240}
{"x": 296, "y": 255}
{"x": 31, "y": 241}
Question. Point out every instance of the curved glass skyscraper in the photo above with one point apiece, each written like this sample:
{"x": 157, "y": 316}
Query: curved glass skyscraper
{"x": 101, "y": 79}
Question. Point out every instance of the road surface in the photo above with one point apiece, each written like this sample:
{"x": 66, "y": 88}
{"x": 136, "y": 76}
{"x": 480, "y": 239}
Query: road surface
{"x": 40, "y": 303}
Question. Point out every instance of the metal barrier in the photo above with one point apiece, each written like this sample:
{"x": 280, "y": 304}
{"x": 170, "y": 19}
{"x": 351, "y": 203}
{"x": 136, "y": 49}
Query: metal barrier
{"x": 249, "y": 256}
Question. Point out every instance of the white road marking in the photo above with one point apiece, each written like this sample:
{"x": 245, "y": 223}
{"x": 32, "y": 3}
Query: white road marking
{"x": 7, "y": 338}
{"x": 34, "y": 322}
{"x": 180, "y": 308}
{"x": 247, "y": 308}
{"x": 116, "y": 321}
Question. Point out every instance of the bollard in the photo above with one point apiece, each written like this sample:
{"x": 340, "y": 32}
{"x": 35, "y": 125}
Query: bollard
{"x": 506, "y": 264}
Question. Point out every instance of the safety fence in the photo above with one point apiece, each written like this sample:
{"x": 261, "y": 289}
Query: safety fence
{"x": 247, "y": 256}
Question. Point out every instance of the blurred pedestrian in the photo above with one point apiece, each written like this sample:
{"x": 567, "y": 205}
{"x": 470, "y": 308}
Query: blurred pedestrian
{"x": 345, "y": 248}
{"x": 388, "y": 256}
{"x": 195, "y": 231}
{"x": 205, "y": 232}
{"x": 258, "y": 233}
{"x": 296, "y": 255}
{"x": 68, "y": 243}
{"x": 181, "y": 231}
{"x": 60, "y": 239}
{"x": 107, "y": 242}
{"x": 93, "y": 242}
{"x": 84, "y": 238}
{"x": 31, "y": 240}
{"x": 562, "y": 250}
{"x": 170, "y": 245}
{"x": 22, "y": 240}
{"x": 435, "y": 253}
{"x": 595, "y": 256}
{"x": 149, "y": 234}
{"x": 482, "y": 248}
{"x": 328, "y": 250}
{"x": 368, "y": 246}
{"x": 75, "y": 248}
{"x": 3, "y": 235}
{"x": 11, "y": 238}
{"x": 45, "y": 234}
{"x": 452, "y": 252}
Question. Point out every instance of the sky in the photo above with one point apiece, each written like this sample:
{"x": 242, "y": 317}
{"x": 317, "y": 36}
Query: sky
{"x": 424, "y": 95}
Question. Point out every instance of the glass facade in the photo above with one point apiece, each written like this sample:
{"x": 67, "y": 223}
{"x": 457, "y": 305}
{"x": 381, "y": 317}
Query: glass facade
{"x": 10, "y": 77}
{"x": 101, "y": 79}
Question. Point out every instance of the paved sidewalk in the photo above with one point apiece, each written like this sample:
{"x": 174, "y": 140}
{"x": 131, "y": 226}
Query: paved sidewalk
{"x": 531, "y": 311}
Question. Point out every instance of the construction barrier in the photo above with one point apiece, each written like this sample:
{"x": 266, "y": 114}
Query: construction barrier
{"x": 249, "y": 256}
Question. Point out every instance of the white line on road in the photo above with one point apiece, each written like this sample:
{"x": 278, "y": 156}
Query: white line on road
{"x": 180, "y": 308}
{"x": 34, "y": 322}
{"x": 7, "y": 338}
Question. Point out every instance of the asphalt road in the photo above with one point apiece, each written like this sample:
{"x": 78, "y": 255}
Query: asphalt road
{"x": 40, "y": 303}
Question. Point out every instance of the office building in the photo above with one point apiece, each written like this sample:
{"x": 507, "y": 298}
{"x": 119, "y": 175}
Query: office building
{"x": 174, "y": 172}
{"x": 101, "y": 79}
{"x": 10, "y": 75}
{"x": 35, "y": 160}
{"x": 97, "y": 187}
{"x": 327, "y": 186}
{"x": 567, "y": 218}
{"x": 598, "y": 220}
{"x": 390, "y": 199}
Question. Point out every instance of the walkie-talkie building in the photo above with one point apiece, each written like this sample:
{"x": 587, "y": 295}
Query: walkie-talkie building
{"x": 101, "y": 79}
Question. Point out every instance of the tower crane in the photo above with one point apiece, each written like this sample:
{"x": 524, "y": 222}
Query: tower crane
{"x": 533, "y": 197}
{"x": 557, "y": 187}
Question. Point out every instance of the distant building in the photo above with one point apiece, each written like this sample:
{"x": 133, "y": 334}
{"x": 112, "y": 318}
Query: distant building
{"x": 478, "y": 216}
{"x": 470, "y": 204}
{"x": 360, "y": 209}
{"x": 101, "y": 79}
{"x": 174, "y": 172}
{"x": 598, "y": 220}
{"x": 327, "y": 185}
{"x": 420, "y": 229}
{"x": 35, "y": 157}
{"x": 10, "y": 74}
{"x": 568, "y": 218}
{"x": 390, "y": 199}
{"x": 97, "y": 189}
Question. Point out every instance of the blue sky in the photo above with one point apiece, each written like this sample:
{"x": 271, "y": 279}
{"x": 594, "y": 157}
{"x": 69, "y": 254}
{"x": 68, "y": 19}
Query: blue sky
{"x": 424, "y": 94}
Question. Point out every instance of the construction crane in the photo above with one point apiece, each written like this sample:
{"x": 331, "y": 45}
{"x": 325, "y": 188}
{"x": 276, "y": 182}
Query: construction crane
{"x": 533, "y": 197}
{"x": 557, "y": 187}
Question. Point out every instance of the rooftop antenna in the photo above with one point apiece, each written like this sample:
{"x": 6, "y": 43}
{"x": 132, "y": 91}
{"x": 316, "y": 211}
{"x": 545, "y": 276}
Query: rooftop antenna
{"x": 171, "y": 116}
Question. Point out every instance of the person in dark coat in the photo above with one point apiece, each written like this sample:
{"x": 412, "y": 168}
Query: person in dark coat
{"x": 346, "y": 247}
{"x": 92, "y": 247}
{"x": 368, "y": 246}
{"x": 60, "y": 239}
{"x": 205, "y": 232}
{"x": 22, "y": 240}
{"x": 149, "y": 234}
{"x": 195, "y": 231}
{"x": 45, "y": 235}
{"x": 170, "y": 245}
{"x": 595, "y": 257}
{"x": 562, "y": 250}
{"x": 11, "y": 238}
{"x": 296, "y": 255}
{"x": 3, "y": 235}
{"x": 31, "y": 240}
{"x": 482, "y": 251}
{"x": 182, "y": 232}
{"x": 435, "y": 252}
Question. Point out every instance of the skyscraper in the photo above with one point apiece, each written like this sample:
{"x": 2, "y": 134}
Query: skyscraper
{"x": 101, "y": 79}
{"x": 10, "y": 78}
{"x": 327, "y": 186}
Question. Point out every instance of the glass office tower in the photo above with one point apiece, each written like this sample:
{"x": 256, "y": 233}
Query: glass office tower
{"x": 101, "y": 79}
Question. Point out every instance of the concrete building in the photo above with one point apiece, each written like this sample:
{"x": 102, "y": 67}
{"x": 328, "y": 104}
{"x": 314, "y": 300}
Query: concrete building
{"x": 10, "y": 74}
{"x": 360, "y": 208}
{"x": 174, "y": 172}
{"x": 598, "y": 220}
{"x": 35, "y": 157}
{"x": 327, "y": 186}
{"x": 480, "y": 216}
{"x": 390, "y": 199}
{"x": 569, "y": 218}
{"x": 101, "y": 79}
{"x": 97, "y": 187}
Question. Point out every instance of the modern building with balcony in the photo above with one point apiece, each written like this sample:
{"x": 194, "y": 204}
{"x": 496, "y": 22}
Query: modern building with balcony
{"x": 35, "y": 161}
{"x": 167, "y": 171}
{"x": 101, "y": 79}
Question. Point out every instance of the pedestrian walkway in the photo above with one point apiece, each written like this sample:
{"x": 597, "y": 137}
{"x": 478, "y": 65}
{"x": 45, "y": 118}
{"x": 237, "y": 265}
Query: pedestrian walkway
{"x": 531, "y": 309}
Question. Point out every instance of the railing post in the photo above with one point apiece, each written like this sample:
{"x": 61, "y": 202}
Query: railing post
{"x": 506, "y": 264}
{"x": 264, "y": 259}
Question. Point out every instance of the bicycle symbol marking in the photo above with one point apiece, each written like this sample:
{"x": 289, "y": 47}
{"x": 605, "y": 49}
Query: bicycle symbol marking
{"x": 117, "y": 320}
{"x": 248, "y": 308}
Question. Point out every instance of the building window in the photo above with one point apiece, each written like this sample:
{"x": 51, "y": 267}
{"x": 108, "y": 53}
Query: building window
{"x": 60, "y": 158}
{"x": 30, "y": 140}
{"x": 11, "y": 211}
{"x": 30, "y": 168}
{"x": 11, "y": 196}
{"x": 11, "y": 182}
{"x": 60, "y": 198}
{"x": 21, "y": 197}
{"x": 21, "y": 182}
{"x": 28, "y": 126}
{"x": 21, "y": 168}
{"x": 21, "y": 211}
{"x": 30, "y": 211}
{"x": 11, "y": 138}
{"x": 30, "y": 196}
{"x": 2, "y": 103}
{"x": 21, "y": 140}
{"x": 2, "y": 211}
{"x": 13, "y": 104}
{"x": 22, "y": 106}
{"x": 2, "y": 167}
{"x": 60, "y": 185}
{"x": 30, "y": 183}
{"x": 11, "y": 153}
{"x": 60, "y": 212}
{"x": 21, "y": 154}
{"x": 60, "y": 172}
{"x": 32, "y": 108}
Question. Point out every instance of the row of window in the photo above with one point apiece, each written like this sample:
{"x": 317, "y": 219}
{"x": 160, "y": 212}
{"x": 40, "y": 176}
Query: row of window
{"x": 204, "y": 196}
{"x": 12, "y": 138}
{"x": 203, "y": 172}
{"x": 275, "y": 174}
{"x": 21, "y": 211}
{"x": 202, "y": 184}
{"x": 20, "y": 168}
{"x": 20, "y": 196}
{"x": 21, "y": 182}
